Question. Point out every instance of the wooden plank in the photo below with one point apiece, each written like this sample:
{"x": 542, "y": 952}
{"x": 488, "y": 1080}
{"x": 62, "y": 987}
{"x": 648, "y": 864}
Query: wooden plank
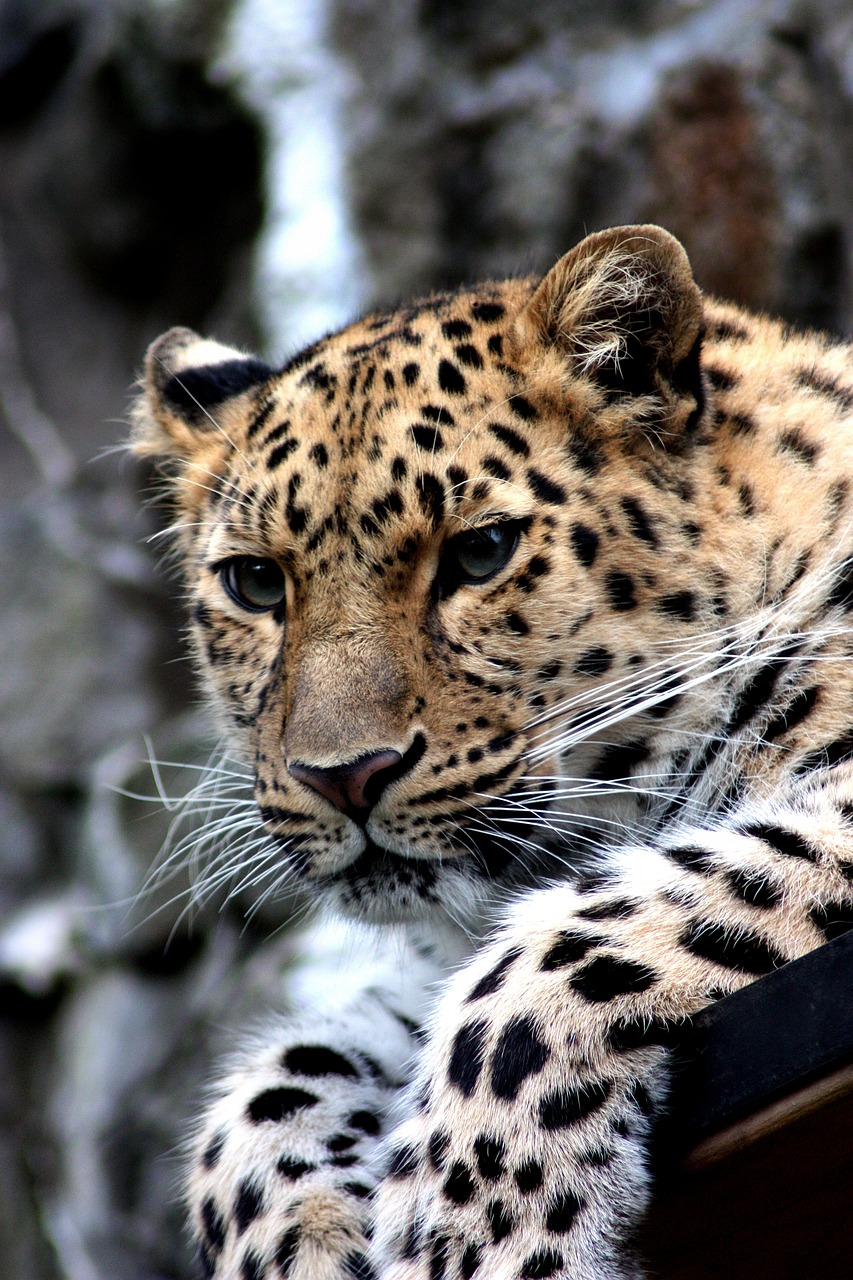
{"x": 768, "y": 1198}
{"x": 773, "y": 1037}
{"x": 755, "y": 1161}
{"x": 778, "y": 1115}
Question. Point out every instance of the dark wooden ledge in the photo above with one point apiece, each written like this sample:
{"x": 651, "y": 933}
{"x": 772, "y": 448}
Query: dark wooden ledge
{"x": 756, "y": 1159}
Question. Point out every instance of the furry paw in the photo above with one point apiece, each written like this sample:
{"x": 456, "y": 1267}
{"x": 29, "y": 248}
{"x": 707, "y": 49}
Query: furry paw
{"x": 317, "y": 1235}
{"x": 523, "y": 1157}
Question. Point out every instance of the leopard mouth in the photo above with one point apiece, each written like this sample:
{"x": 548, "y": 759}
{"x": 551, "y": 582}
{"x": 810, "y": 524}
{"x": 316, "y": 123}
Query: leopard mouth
{"x": 377, "y": 862}
{"x": 384, "y": 886}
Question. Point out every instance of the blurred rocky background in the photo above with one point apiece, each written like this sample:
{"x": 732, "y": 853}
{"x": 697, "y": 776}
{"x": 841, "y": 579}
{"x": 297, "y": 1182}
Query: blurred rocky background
{"x": 263, "y": 169}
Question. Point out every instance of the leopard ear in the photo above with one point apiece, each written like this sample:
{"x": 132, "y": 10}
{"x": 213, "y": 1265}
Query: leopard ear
{"x": 187, "y": 390}
{"x": 623, "y": 311}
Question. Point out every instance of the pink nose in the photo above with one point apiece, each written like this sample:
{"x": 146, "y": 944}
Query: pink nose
{"x": 353, "y": 788}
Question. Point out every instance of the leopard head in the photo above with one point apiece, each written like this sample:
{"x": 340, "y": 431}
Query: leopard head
{"x": 420, "y": 554}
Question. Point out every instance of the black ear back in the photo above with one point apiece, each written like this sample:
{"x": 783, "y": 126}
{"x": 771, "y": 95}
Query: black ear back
{"x": 188, "y": 385}
{"x": 194, "y": 392}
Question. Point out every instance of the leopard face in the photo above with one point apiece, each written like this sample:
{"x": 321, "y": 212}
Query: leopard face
{"x": 425, "y": 557}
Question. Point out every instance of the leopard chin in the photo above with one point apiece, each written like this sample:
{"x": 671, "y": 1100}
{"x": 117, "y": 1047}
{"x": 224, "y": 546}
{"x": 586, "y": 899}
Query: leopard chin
{"x": 383, "y": 887}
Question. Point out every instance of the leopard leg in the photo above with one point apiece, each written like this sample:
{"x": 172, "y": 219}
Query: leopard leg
{"x": 287, "y": 1154}
{"x": 525, "y": 1152}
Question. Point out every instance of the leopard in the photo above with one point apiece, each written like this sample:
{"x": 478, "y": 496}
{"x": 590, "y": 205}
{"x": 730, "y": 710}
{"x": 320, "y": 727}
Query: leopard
{"x": 526, "y": 607}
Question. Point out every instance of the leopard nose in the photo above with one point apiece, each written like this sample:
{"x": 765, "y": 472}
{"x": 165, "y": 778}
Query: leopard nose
{"x": 353, "y": 788}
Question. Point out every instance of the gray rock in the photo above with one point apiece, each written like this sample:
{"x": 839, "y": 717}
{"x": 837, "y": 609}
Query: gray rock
{"x": 520, "y": 128}
{"x": 72, "y": 638}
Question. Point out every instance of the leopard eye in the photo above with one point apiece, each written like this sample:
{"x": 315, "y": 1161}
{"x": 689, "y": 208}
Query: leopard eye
{"x": 253, "y": 583}
{"x": 478, "y": 554}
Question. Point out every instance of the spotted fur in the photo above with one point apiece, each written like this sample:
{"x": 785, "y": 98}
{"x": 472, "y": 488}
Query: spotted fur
{"x": 546, "y": 657}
